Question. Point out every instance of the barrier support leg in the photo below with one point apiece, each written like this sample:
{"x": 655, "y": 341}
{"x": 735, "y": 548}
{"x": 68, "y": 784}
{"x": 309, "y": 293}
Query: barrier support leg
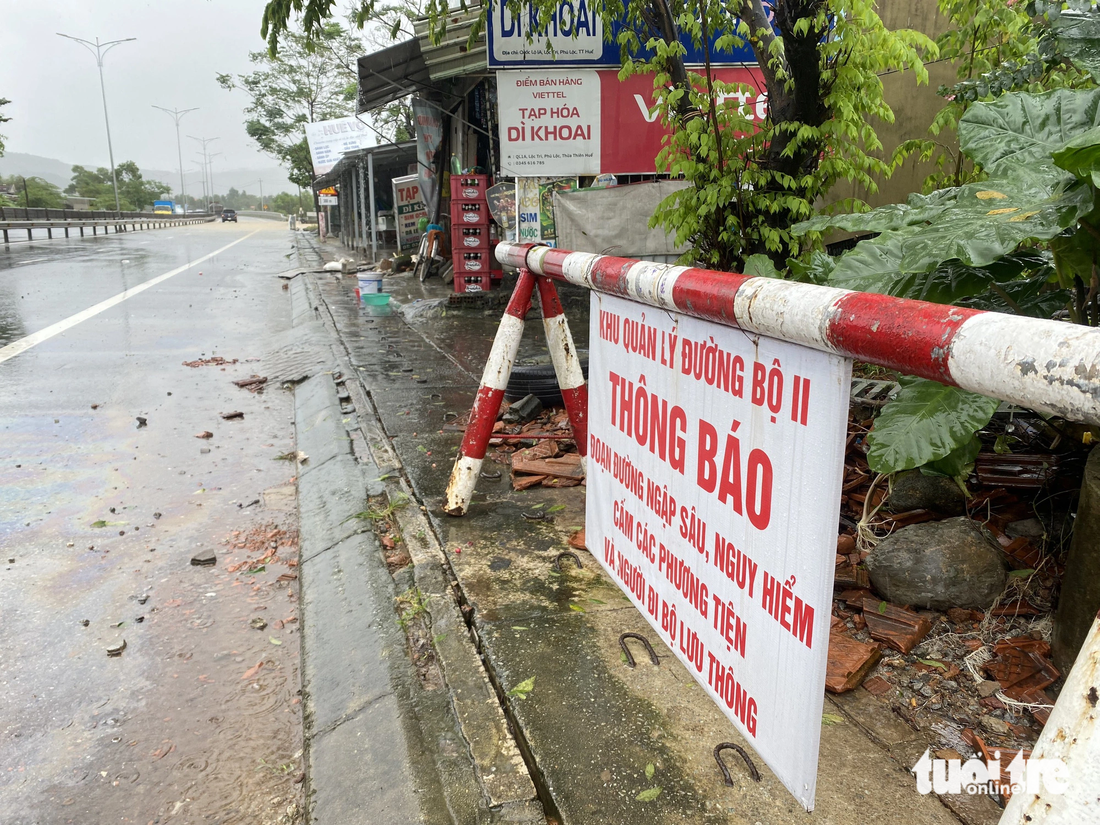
{"x": 494, "y": 381}
{"x": 567, "y": 364}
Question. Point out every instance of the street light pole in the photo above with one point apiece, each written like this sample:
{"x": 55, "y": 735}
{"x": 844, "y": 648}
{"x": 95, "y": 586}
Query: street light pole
{"x": 205, "y": 161}
{"x": 210, "y": 171}
{"x": 202, "y": 182}
{"x": 100, "y": 50}
{"x": 177, "y": 114}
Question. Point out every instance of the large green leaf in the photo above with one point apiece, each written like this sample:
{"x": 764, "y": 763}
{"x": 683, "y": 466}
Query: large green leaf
{"x": 1020, "y": 129}
{"x": 1081, "y": 156}
{"x": 986, "y": 222}
{"x": 815, "y": 269}
{"x": 926, "y": 422}
{"x": 1079, "y": 39}
{"x": 916, "y": 209}
{"x": 1033, "y": 297}
{"x": 875, "y": 266}
{"x": 958, "y": 463}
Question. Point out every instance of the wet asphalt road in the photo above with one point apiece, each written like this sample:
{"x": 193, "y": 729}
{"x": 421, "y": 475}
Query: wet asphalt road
{"x": 198, "y": 720}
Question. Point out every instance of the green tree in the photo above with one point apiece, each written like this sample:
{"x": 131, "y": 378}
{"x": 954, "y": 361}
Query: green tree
{"x": 820, "y": 61}
{"x": 286, "y": 203}
{"x": 135, "y": 189}
{"x": 309, "y": 80}
{"x": 394, "y": 121}
{"x": 89, "y": 183}
{"x": 135, "y": 193}
{"x": 42, "y": 194}
{"x": 3, "y": 102}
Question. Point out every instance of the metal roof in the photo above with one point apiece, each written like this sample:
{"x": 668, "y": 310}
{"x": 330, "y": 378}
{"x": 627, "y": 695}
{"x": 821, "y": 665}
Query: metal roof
{"x": 391, "y": 74}
{"x": 416, "y": 67}
{"x": 454, "y": 56}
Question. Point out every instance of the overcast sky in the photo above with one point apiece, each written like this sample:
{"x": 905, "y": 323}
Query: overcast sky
{"x": 53, "y": 84}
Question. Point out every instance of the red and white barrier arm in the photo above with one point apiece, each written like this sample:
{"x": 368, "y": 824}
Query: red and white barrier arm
{"x": 494, "y": 380}
{"x": 567, "y": 365}
{"x": 1049, "y": 366}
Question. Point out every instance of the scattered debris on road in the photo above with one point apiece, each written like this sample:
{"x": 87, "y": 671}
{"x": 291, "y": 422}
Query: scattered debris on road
{"x": 142, "y": 422}
{"x": 236, "y": 415}
{"x": 116, "y": 649}
{"x": 204, "y": 434}
{"x": 253, "y": 384}
{"x": 216, "y": 361}
{"x": 206, "y": 558}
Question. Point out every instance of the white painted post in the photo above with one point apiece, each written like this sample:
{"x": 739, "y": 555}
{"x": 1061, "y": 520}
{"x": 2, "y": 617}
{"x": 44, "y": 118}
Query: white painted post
{"x": 1070, "y": 735}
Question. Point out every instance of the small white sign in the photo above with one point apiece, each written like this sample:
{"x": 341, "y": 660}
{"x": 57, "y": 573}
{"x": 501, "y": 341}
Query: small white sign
{"x": 715, "y": 462}
{"x": 549, "y": 122}
{"x": 409, "y": 208}
{"x": 327, "y": 200}
{"x": 329, "y": 139}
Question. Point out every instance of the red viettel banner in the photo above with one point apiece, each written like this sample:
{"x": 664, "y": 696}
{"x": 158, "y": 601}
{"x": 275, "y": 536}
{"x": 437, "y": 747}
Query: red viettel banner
{"x": 588, "y": 122}
{"x": 715, "y": 462}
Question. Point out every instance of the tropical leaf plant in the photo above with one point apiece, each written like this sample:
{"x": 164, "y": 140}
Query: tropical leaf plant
{"x": 925, "y": 423}
{"x": 1025, "y": 240}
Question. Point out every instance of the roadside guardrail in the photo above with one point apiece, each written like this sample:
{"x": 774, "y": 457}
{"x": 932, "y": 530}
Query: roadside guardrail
{"x": 136, "y": 221}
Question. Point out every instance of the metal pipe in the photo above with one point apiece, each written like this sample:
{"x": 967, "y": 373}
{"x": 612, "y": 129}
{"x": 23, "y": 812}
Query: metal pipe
{"x": 1048, "y": 366}
{"x": 355, "y": 178}
{"x": 363, "y": 200}
{"x": 373, "y": 209}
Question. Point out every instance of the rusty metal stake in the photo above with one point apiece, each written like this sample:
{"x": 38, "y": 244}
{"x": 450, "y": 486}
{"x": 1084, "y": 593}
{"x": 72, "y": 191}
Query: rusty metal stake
{"x": 573, "y": 556}
{"x": 721, "y": 746}
{"x": 649, "y": 648}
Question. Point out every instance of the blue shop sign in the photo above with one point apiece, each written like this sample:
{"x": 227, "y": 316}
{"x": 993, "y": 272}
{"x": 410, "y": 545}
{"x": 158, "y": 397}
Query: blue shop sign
{"x": 575, "y": 32}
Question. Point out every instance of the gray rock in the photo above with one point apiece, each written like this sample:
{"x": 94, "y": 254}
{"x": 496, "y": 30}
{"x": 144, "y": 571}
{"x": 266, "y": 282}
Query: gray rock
{"x": 938, "y": 565}
{"x": 204, "y": 558}
{"x": 913, "y": 490}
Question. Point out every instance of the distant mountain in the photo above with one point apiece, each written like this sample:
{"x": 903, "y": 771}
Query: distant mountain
{"x": 60, "y": 174}
{"x": 54, "y": 171}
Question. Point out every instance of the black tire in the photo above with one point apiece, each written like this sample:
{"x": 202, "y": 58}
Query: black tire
{"x": 538, "y": 380}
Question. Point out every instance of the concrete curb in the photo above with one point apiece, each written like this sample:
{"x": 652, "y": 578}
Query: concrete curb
{"x": 470, "y": 762}
{"x": 357, "y": 753}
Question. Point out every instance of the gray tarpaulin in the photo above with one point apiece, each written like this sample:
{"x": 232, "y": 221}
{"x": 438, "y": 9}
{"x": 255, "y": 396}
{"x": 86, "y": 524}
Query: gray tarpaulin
{"x": 615, "y": 221}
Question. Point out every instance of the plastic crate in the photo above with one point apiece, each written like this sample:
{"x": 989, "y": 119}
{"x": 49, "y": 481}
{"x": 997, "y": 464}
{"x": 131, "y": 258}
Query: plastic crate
{"x": 469, "y": 282}
{"x": 466, "y": 188}
{"x": 475, "y": 261}
{"x": 469, "y": 213}
{"x": 470, "y": 237}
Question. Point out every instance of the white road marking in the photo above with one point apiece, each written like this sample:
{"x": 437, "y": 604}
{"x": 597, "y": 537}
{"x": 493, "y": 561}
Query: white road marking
{"x": 29, "y": 261}
{"x": 23, "y": 344}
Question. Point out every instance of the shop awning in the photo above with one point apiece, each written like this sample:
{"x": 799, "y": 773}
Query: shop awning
{"x": 391, "y": 74}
